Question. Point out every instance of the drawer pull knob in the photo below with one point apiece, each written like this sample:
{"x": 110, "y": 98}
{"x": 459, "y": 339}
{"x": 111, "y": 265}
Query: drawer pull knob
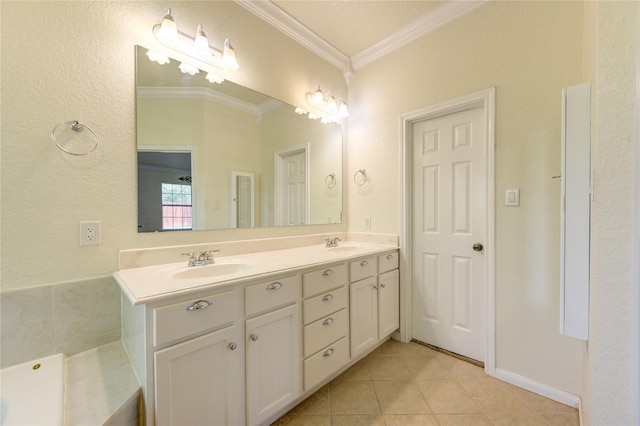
{"x": 375, "y": 287}
{"x": 274, "y": 286}
{"x": 382, "y": 285}
{"x": 233, "y": 346}
{"x": 328, "y": 321}
{"x": 327, "y": 297}
{"x": 253, "y": 337}
{"x": 327, "y": 353}
{"x": 327, "y": 273}
{"x": 200, "y": 304}
{"x": 389, "y": 256}
{"x": 364, "y": 263}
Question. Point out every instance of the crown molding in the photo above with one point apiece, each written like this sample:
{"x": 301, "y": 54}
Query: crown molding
{"x": 284, "y": 22}
{"x": 440, "y": 16}
{"x": 208, "y": 94}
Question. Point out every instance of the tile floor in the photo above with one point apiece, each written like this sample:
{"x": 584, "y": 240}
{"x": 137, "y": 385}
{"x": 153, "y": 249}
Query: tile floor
{"x": 409, "y": 384}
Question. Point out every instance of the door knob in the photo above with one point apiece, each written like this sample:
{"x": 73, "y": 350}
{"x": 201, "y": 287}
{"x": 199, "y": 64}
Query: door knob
{"x": 478, "y": 247}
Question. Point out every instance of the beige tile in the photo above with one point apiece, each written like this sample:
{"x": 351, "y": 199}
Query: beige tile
{"x": 387, "y": 348}
{"x": 540, "y": 404}
{"x": 414, "y": 349}
{"x": 410, "y": 420}
{"x": 464, "y": 420}
{"x": 571, "y": 419}
{"x": 353, "y": 397}
{"x": 461, "y": 369}
{"x": 516, "y": 419}
{"x": 304, "y": 420}
{"x": 494, "y": 396}
{"x": 400, "y": 397}
{"x": 447, "y": 396}
{"x": 387, "y": 368}
{"x": 357, "y": 421}
{"x": 318, "y": 403}
{"x": 357, "y": 371}
{"x": 426, "y": 367}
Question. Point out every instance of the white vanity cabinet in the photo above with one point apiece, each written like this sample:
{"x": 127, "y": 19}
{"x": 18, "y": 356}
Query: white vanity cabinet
{"x": 325, "y": 322}
{"x": 273, "y": 362}
{"x": 374, "y": 300}
{"x": 198, "y": 381}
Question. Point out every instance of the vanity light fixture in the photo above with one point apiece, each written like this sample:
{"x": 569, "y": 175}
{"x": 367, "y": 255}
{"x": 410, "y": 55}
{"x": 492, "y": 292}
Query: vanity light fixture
{"x": 327, "y": 107}
{"x": 196, "y": 47}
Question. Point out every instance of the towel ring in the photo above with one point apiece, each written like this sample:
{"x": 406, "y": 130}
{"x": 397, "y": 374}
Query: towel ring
{"x": 74, "y": 138}
{"x": 360, "y": 177}
{"x": 330, "y": 181}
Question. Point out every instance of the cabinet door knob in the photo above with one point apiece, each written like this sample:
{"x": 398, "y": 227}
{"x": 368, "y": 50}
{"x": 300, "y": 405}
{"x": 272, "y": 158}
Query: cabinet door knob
{"x": 328, "y": 321}
{"x": 382, "y": 285}
{"x": 327, "y": 353}
{"x": 375, "y": 287}
{"x": 364, "y": 263}
{"x": 274, "y": 286}
{"x": 233, "y": 346}
{"x": 199, "y": 304}
{"x": 253, "y": 337}
{"x": 327, "y": 297}
{"x": 327, "y": 273}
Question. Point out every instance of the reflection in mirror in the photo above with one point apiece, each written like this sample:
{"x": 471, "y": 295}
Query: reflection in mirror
{"x": 214, "y": 156}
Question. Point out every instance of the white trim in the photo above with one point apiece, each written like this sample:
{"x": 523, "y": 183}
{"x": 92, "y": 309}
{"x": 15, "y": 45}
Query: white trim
{"x": 557, "y": 395}
{"x": 438, "y": 17}
{"x": 486, "y": 99}
{"x": 290, "y": 26}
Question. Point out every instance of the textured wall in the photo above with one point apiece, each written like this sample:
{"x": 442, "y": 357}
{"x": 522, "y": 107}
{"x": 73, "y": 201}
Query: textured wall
{"x": 610, "y": 397}
{"x": 529, "y": 51}
{"x": 63, "y": 61}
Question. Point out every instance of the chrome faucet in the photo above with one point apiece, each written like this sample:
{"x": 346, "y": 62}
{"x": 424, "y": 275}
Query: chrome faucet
{"x": 332, "y": 242}
{"x": 204, "y": 258}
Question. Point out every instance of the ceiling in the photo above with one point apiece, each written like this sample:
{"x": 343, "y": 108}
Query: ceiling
{"x": 353, "y": 33}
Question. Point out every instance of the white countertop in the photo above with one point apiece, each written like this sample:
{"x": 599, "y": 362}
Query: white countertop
{"x": 151, "y": 284}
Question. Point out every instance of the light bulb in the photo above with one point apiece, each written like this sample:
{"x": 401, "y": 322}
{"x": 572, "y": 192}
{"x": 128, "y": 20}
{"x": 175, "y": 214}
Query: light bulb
{"x": 343, "y": 111}
{"x": 201, "y": 44}
{"x": 212, "y": 78}
{"x": 157, "y": 57}
{"x": 168, "y": 31}
{"x": 188, "y": 69}
{"x": 318, "y": 97}
{"x": 229, "y": 56}
{"x": 300, "y": 111}
{"x": 331, "y": 103}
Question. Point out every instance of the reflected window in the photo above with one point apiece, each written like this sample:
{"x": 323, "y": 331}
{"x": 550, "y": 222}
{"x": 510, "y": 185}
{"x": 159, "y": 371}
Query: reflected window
{"x": 176, "y": 207}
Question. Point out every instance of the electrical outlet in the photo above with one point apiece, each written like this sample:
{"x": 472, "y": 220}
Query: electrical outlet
{"x": 90, "y": 234}
{"x": 367, "y": 222}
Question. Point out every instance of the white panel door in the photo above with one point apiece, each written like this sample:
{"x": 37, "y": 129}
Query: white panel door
{"x": 244, "y": 202}
{"x": 449, "y": 218}
{"x": 296, "y": 189}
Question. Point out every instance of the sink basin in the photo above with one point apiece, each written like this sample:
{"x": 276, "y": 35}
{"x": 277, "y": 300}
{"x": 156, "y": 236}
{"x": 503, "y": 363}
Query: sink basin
{"x": 214, "y": 270}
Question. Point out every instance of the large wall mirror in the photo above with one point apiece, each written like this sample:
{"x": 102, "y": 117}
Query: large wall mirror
{"x": 217, "y": 156}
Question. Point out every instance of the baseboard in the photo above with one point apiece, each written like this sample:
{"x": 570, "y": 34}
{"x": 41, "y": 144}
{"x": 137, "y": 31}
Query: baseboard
{"x": 538, "y": 388}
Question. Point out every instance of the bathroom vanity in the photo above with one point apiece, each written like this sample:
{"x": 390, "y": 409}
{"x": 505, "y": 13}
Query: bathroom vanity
{"x": 246, "y": 339}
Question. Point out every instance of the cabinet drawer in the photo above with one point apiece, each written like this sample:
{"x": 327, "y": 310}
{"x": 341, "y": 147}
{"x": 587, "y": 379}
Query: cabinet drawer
{"x": 324, "y": 279}
{"x": 324, "y": 363}
{"x": 323, "y": 304}
{"x": 264, "y": 296}
{"x": 363, "y": 268}
{"x": 324, "y": 331}
{"x": 184, "y": 319}
{"x": 387, "y": 262}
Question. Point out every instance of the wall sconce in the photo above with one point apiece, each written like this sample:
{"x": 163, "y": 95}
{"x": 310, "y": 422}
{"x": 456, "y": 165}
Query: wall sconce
{"x": 196, "y": 47}
{"x": 328, "y": 108}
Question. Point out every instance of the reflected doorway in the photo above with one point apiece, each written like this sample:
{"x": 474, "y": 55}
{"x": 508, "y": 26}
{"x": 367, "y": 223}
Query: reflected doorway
{"x": 242, "y": 214}
{"x": 292, "y": 185}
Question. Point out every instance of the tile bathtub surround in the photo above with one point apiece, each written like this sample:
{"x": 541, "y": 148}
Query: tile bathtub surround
{"x": 409, "y": 384}
{"x": 69, "y": 318}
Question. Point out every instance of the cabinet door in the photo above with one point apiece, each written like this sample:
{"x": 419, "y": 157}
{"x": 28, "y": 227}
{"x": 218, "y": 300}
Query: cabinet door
{"x": 200, "y": 381}
{"x": 388, "y": 303}
{"x": 363, "y": 314}
{"x": 273, "y": 362}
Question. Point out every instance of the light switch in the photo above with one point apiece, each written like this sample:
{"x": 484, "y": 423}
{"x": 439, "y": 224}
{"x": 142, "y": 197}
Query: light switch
{"x": 512, "y": 197}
